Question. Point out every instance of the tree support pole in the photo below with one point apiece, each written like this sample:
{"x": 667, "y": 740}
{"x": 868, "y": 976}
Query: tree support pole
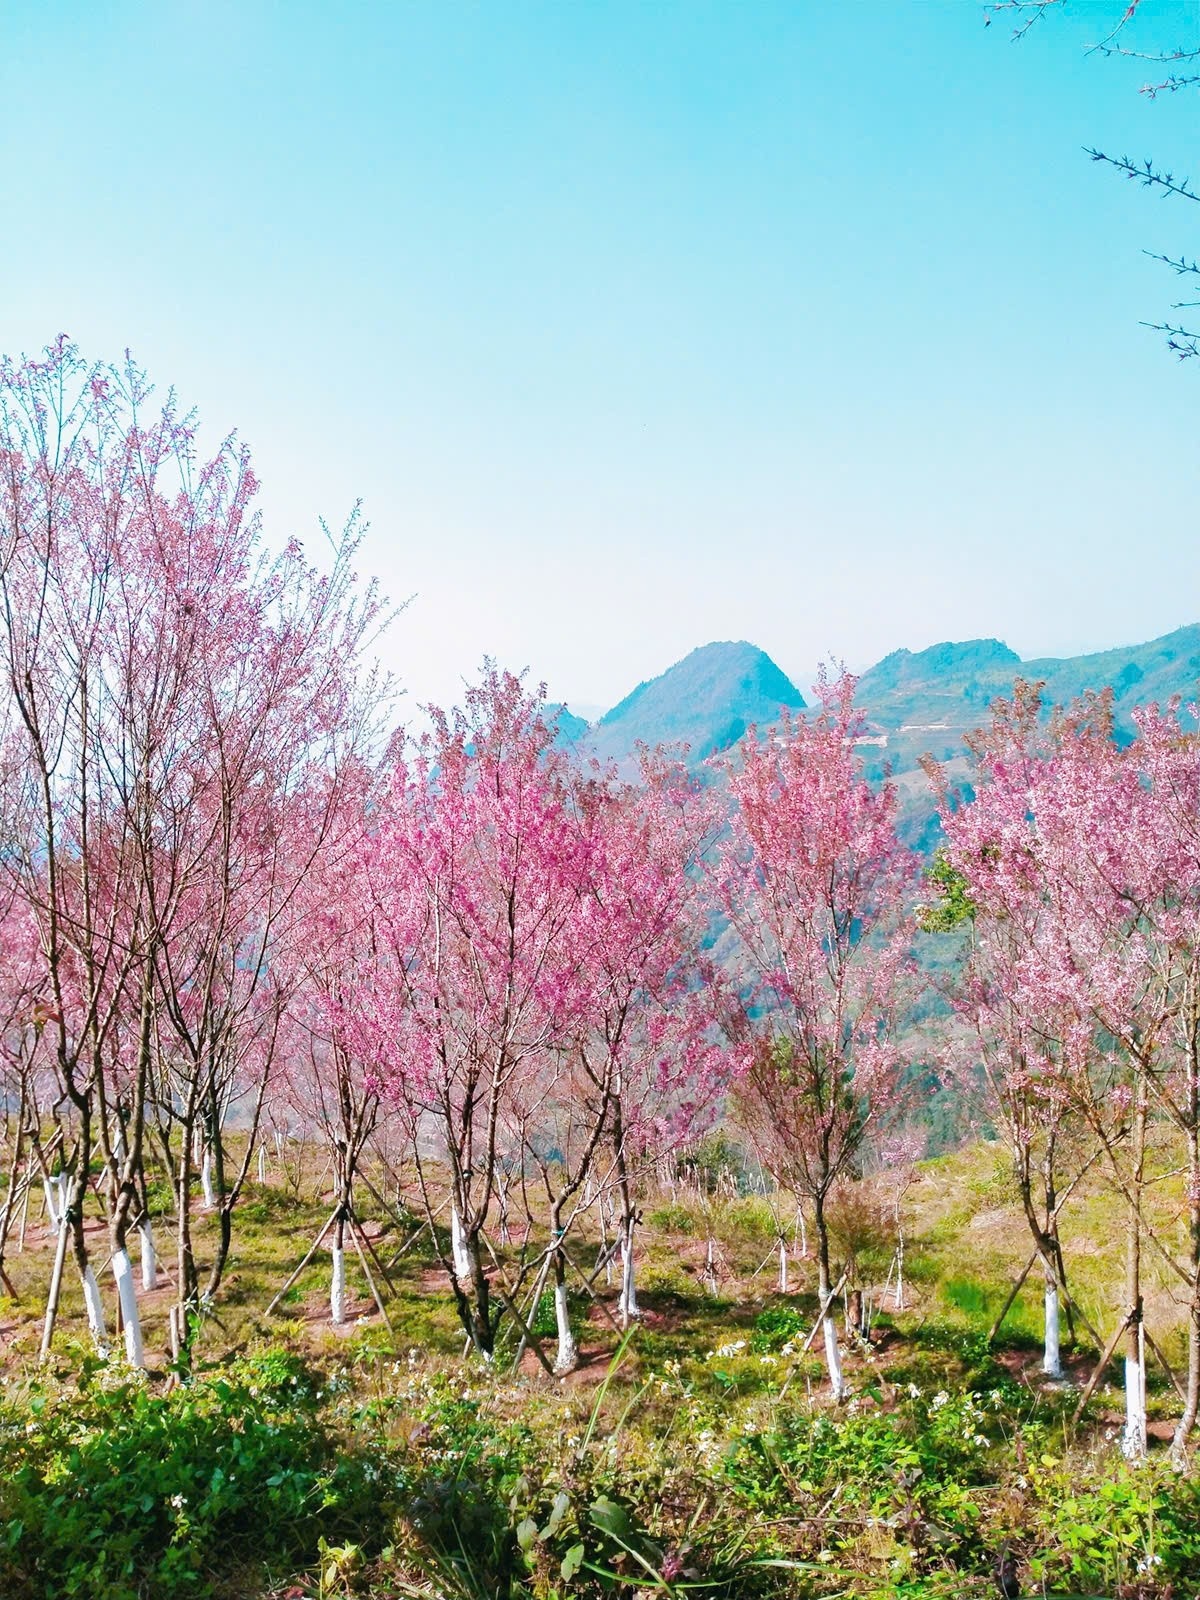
{"x": 313, "y": 1248}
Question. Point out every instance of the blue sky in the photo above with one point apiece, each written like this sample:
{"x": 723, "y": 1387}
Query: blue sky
{"x": 638, "y": 325}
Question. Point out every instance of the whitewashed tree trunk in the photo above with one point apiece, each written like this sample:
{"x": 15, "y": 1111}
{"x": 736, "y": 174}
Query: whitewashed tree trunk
{"x": 123, "y": 1273}
{"x": 1133, "y": 1439}
{"x": 95, "y": 1308}
{"x": 149, "y": 1256}
{"x": 337, "y": 1285}
{"x": 898, "y": 1301}
{"x": 627, "y": 1304}
{"x": 568, "y": 1351}
{"x": 206, "y": 1183}
{"x": 783, "y": 1265}
{"x": 458, "y": 1246}
{"x": 826, "y": 1293}
{"x": 833, "y": 1358}
{"x": 1052, "y": 1358}
{"x": 262, "y": 1163}
{"x": 55, "y": 1200}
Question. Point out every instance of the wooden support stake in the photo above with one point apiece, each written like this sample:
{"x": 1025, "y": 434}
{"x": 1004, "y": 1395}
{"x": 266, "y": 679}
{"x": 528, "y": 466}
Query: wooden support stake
{"x": 313, "y": 1248}
{"x": 375, "y": 1295}
{"x": 501, "y": 1288}
{"x": 1105, "y": 1358}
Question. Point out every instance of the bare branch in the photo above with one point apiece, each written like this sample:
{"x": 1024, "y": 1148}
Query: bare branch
{"x": 1147, "y": 175}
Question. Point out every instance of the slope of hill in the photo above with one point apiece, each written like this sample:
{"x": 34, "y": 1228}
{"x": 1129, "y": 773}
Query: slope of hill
{"x": 706, "y": 701}
{"x": 568, "y": 728}
{"x": 925, "y": 701}
{"x": 917, "y": 702}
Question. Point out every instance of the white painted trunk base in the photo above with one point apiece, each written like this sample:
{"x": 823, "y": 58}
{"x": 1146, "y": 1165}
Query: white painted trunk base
{"x": 783, "y": 1267}
{"x": 337, "y": 1286}
{"x": 149, "y": 1256}
{"x": 206, "y": 1183}
{"x": 568, "y": 1350}
{"x": 123, "y": 1273}
{"x": 458, "y": 1246}
{"x": 95, "y": 1307}
{"x": 833, "y": 1358}
{"x": 262, "y": 1163}
{"x": 627, "y": 1304}
{"x": 1052, "y": 1358}
{"x": 1133, "y": 1439}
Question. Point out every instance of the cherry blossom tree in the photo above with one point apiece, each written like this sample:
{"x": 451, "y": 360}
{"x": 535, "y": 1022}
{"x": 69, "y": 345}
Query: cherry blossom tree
{"x": 529, "y": 1001}
{"x": 654, "y": 989}
{"x": 1083, "y": 855}
{"x": 815, "y": 883}
{"x": 474, "y": 875}
{"x": 180, "y": 708}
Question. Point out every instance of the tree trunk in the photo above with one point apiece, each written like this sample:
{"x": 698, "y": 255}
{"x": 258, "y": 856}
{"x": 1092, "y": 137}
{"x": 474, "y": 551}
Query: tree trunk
{"x": 149, "y": 1255}
{"x": 627, "y": 1303}
{"x": 1051, "y": 1357}
{"x": 898, "y": 1299}
{"x": 127, "y": 1299}
{"x": 1133, "y": 1439}
{"x": 459, "y": 1253}
{"x": 567, "y": 1358}
{"x": 833, "y": 1358}
{"x": 337, "y": 1280}
{"x": 1192, "y": 1401}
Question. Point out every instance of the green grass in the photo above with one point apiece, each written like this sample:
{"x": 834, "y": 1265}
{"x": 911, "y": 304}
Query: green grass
{"x": 709, "y": 1443}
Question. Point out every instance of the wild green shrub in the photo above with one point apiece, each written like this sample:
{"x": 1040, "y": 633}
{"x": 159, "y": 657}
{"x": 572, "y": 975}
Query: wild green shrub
{"x": 110, "y": 1492}
{"x": 775, "y": 1327}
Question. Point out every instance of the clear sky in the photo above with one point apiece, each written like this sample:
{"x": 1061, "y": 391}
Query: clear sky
{"x": 639, "y": 325}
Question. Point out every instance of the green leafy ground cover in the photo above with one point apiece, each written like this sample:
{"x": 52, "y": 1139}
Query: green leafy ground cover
{"x": 699, "y": 1457}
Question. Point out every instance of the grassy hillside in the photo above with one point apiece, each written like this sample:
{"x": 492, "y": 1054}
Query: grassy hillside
{"x": 696, "y": 1454}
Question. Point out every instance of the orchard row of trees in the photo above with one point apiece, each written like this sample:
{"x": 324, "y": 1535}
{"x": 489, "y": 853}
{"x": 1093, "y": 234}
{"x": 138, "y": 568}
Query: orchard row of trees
{"x": 234, "y": 900}
{"x": 231, "y": 899}
{"x": 1076, "y": 868}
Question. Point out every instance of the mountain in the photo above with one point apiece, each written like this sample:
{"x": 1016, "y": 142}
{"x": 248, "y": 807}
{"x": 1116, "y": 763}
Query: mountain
{"x": 706, "y": 701}
{"x": 568, "y": 728}
{"x": 917, "y": 702}
{"x": 925, "y": 701}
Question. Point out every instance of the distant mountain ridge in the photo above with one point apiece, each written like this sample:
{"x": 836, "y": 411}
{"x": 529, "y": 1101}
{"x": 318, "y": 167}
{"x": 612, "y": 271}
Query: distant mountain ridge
{"x": 926, "y": 701}
{"x": 918, "y": 702}
{"x": 706, "y": 702}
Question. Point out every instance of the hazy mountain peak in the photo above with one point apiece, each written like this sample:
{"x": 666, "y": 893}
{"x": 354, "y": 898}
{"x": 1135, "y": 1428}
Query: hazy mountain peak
{"x": 905, "y": 667}
{"x": 706, "y": 701}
